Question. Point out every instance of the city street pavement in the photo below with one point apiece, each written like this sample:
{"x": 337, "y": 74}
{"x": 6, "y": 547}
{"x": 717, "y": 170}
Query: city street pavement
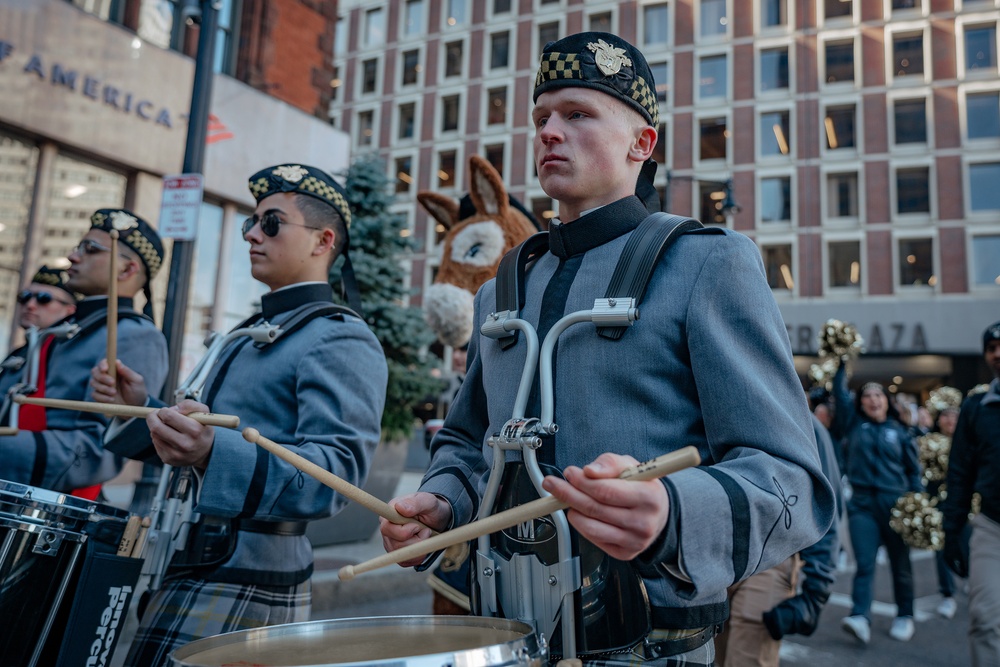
{"x": 938, "y": 642}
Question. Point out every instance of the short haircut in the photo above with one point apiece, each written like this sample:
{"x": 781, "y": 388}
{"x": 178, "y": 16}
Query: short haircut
{"x": 319, "y": 213}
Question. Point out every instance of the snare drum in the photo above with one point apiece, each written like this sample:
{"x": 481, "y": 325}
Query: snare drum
{"x": 43, "y": 538}
{"x": 413, "y": 641}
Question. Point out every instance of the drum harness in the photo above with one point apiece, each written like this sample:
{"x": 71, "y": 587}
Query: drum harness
{"x": 172, "y": 511}
{"x": 513, "y": 584}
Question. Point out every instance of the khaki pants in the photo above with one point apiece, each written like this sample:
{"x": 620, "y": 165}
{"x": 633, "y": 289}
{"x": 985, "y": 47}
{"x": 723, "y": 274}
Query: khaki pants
{"x": 745, "y": 640}
{"x": 984, "y": 592}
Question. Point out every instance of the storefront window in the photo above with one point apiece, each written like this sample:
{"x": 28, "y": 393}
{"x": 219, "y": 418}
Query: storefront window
{"x": 243, "y": 298}
{"x": 201, "y": 296}
{"x": 18, "y": 163}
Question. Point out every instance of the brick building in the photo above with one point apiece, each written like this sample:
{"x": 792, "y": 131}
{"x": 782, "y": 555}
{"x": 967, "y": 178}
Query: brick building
{"x": 859, "y": 139}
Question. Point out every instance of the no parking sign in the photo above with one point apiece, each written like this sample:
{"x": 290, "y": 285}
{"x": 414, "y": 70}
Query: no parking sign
{"x": 182, "y": 195}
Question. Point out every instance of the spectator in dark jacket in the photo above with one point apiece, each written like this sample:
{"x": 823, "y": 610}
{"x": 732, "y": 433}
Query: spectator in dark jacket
{"x": 882, "y": 464}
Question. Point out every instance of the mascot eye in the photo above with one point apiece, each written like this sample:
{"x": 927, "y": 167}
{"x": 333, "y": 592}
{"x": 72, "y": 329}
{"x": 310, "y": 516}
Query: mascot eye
{"x": 472, "y": 252}
{"x": 478, "y": 244}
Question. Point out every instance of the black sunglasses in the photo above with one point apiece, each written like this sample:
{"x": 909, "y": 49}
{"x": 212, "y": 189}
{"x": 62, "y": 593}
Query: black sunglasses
{"x": 42, "y": 298}
{"x": 270, "y": 223}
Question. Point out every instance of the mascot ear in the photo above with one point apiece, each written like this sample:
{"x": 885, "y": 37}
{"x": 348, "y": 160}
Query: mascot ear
{"x": 487, "y": 191}
{"x": 443, "y": 209}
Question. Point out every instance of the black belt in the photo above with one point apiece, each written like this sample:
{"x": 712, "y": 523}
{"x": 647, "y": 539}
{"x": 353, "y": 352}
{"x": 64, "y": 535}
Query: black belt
{"x": 688, "y": 640}
{"x": 288, "y": 528}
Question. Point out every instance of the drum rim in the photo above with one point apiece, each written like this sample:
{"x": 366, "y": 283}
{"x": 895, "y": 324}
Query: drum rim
{"x": 527, "y": 635}
{"x": 58, "y": 503}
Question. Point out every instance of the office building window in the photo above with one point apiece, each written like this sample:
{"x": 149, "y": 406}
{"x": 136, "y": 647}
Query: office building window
{"x": 501, "y": 6}
{"x": 453, "y": 59}
{"x": 446, "y": 168}
{"x": 836, "y": 8}
{"x": 908, "y": 54}
{"x": 773, "y": 69}
{"x": 543, "y": 209}
{"x": 778, "y": 266}
{"x": 449, "y": 112}
{"x": 340, "y": 36}
{"x": 494, "y": 155}
{"x": 901, "y": 5}
{"x": 414, "y": 22}
{"x": 407, "y": 120}
{"x": 369, "y": 75}
{"x": 456, "y": 12}
{"x": 374, "y": 27}
{"x": 842, "y": 195}
{"x": 712, "y": 77}
{"x": 661, "y": 78}
{"x": 411, "y": 67}
{"x": 773, "y": 13}
{"x": 910, "y": 118}
{"x": 840, "y": 61}
{"x": 547, "y": 32}
{"x": 499, "y": 50}
{"x": 497, "y": 112}
{"x": 986, "y": 260}
{"x": 839, "y": 125}
{"x": 984, "y": 186}
{"x": 982, "y": 115}
{"x": 774, "y": 137}
{"x": 366, "y": 128}
{"x": 713, "y": 138}
{"x": 335, "y": 83}
{"x": 913, "y": 190}
{"x": 404, "y": 174}
{"x": 656, "y": 24}
{"x": 844, "y": 263}
{"x": 776, "y": 199}
{"x": 711, "y": 195}
{"x": 600, "y": 22}
{"x": 713, "y": 18}
{"x": 916, "y": 262}
{"x": 662, "y": 139}
{"x": 981, "y": 47}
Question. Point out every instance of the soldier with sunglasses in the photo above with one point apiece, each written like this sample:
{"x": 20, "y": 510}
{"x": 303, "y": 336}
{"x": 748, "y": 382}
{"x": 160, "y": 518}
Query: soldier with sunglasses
{"x": 318, "y": 389}
{"x": 62, "y": 449}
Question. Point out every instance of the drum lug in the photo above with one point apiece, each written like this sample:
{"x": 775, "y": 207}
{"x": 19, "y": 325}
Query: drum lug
{"x": 47, "y": 543}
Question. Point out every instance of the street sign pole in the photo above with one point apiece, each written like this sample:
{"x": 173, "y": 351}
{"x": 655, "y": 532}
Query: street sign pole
{"x": 182, "y": 257}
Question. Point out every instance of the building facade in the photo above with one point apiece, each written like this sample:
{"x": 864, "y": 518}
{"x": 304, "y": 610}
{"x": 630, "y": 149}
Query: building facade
{"x": 93, "y": 114}
{"x": 857, "y": 139}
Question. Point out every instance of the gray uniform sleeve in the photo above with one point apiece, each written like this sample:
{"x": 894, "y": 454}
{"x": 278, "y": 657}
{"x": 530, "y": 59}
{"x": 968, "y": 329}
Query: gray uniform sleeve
{"x": 762, "y": 496}
{"x": 69, "y": 453}
{"x": 340, "y": 388}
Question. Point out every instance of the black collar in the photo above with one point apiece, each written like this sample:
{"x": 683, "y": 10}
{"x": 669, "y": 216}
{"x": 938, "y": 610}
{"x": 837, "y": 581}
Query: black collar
{"x": 597, "y": 227}
{"x": 290, "y": 298}
{"x": 91, "y": 305}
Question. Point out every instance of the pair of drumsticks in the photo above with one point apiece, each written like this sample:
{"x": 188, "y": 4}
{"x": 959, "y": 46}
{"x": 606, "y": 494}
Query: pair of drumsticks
{"x": 134, "y": 538}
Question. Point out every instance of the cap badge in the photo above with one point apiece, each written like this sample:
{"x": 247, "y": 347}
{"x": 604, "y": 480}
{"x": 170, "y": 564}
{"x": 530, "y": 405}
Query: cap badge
{"x": 609, "y": 59}
{"x": 292, "y": 173}
{"x": 121, "y": 221}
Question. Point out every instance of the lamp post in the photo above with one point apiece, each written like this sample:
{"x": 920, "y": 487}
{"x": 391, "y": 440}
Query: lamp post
{"x": 726, "y": 205}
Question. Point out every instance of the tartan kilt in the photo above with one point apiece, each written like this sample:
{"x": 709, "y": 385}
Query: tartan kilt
{"x": 185, "y": 610}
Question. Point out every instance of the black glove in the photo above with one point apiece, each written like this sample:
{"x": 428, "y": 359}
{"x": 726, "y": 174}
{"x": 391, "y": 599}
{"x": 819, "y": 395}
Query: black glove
{"x": 798, "y": 615}
{"x": 956, "y": 554}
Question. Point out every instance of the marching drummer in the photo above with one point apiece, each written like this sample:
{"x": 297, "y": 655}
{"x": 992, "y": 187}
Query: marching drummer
{"x": 61, "y": 449}
{"x": 709, "y": 364}
{"x": 319, "y": 388}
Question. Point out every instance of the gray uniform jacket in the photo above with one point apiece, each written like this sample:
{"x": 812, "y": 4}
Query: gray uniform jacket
{"x": 69, "y": 453}
{"x": 708, "y": 364}
{"x": 320, "y": 390}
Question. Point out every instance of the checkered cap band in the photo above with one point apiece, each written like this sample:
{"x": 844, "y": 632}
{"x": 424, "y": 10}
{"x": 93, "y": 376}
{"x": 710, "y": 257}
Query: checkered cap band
{"x": 134, "y": 232}
{"x": 646, "y": 97}
{"x": 558, "y": 66}
{"x": 304, "y": 180}
{"x": 146, "y": 250}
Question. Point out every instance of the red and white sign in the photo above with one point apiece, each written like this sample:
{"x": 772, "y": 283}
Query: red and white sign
{"x": 182, "y": 195}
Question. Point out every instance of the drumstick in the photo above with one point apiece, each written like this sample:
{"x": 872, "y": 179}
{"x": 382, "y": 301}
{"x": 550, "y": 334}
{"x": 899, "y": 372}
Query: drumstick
{"x": 113, "y": 309}
{"x": 7, "y": 430}
{"x": 140, "y": 540}
{"x": 658, "y": 467}
{"x": 115, "y": 410}
{"x": 341, "y": 486}
{"x": 128, "y": 537}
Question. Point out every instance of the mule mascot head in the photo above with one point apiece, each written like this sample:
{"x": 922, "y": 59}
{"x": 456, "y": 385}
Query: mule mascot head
{"x": 481, "y": 229}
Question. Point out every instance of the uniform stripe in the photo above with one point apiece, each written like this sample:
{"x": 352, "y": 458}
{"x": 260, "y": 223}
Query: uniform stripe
{"x": 740, "y": 507}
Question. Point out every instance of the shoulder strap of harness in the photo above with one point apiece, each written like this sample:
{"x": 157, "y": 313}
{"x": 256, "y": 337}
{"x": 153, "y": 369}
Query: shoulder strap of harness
{"x": 305, "y": 313}
{"x": 510, "y": 278}
{"x": 100, "y": 318}
{"x": 639, "y": 258}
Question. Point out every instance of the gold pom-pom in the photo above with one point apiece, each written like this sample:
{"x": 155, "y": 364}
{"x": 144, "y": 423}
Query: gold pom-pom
{"x": 978, "y": 389}
{"x": 839, "y": 340}
{"x": 822, "y": 373}
{"x": 918, "y": 521}
{"x": 942, "y": 399}
{"x": 934, "y": 449}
